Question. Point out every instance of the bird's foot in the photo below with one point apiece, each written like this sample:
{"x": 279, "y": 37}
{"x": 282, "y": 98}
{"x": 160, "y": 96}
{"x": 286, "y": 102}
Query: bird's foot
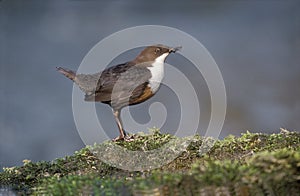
{"x": 119, "y": 138}
{"x": 127, "y": 138}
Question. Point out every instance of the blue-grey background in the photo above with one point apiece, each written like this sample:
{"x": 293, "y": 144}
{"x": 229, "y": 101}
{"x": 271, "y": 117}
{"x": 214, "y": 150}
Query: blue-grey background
{"x": 255, "y": 43}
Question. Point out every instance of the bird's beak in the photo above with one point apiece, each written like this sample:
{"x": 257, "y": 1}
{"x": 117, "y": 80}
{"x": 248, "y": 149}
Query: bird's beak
{"x": 175, "y": 49}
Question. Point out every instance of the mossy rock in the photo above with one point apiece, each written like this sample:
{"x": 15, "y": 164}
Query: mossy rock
{"x": 248, "y": 165}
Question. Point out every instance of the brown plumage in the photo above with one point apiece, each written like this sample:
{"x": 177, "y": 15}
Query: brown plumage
{"x": 124, "y": 84}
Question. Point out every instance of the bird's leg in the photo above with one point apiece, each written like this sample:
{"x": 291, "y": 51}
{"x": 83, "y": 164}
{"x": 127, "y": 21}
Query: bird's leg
{"x": 123, "y": 135}
{"x": 120, "y": 126}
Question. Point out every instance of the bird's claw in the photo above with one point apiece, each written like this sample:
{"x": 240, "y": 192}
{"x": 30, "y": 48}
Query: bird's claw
{"x": 127, "y": 138}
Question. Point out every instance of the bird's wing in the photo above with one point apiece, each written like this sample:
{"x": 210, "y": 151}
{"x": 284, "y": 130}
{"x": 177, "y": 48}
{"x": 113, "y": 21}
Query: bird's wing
{"x": 118, "y": 83}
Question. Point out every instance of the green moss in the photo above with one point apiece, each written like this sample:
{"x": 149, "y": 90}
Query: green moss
{"x": 251, "y": 164}
{"x": 143, "y": 142}
{"x": 90, "y": 184}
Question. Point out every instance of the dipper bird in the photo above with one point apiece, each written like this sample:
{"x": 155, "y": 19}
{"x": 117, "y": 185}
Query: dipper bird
{"x": 124, "y": 84}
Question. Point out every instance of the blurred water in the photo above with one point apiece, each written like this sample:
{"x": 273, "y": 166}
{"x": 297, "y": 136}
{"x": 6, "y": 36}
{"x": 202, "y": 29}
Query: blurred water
{"x": 255, "y": 43}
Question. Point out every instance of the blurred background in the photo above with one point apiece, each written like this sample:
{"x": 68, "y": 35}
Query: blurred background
{"x": 256, "y": 45}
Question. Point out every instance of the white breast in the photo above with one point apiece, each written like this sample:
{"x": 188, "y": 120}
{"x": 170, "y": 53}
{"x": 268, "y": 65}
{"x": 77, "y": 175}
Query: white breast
{"x": 157, "y": 72}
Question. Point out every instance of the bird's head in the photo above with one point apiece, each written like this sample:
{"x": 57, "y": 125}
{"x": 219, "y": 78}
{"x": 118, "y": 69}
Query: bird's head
{"x": 155, "y": 53}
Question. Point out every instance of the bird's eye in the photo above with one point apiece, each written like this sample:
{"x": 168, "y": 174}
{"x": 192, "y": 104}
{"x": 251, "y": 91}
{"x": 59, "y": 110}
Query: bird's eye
{"x": 157, "y": 50}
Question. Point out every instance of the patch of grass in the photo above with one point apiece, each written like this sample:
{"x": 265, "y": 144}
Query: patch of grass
{"x": 251, "y": 164}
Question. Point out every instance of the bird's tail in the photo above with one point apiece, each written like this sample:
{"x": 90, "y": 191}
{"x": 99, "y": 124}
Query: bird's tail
{"x": 68, "y": 73}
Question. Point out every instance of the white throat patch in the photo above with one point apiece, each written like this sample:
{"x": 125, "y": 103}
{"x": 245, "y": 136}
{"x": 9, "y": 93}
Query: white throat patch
{"x": 157, "y": 72}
